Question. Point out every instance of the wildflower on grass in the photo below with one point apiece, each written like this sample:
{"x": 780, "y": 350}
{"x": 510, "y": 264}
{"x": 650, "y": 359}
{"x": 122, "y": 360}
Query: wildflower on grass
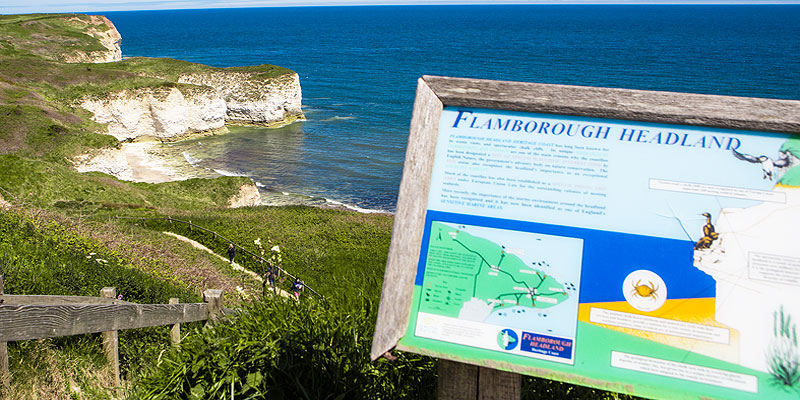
{"x": 242, "y": 294}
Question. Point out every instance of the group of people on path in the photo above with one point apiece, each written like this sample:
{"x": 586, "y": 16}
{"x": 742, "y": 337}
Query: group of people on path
{"x": 297, "y": 286}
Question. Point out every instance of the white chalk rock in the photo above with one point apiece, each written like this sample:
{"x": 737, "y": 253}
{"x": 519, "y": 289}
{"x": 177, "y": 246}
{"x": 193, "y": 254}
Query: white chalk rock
{"x": 158, "y": 112}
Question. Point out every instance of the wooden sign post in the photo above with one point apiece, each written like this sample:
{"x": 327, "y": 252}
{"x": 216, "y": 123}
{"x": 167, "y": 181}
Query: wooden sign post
{"x": 4, "y": 375}
{"x": 634, "y": 241}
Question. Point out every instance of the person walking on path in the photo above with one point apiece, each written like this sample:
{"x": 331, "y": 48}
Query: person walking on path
{"x": 297, "y": 287}
{"x": 270, "y": 276}
{"x": 231, "y": 252}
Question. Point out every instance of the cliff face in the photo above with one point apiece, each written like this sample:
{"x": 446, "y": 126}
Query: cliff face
{"x": 202, "y": 102}
{"x": 252, "y": 100}
{"x": 161, "y": 112}
{"x": 102, "y": 29}
{"x": 248, "y": 196}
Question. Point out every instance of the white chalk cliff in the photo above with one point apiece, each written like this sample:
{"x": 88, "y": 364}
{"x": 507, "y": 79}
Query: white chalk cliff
{"x": 161, "y": 112}
{"x": 198, "y": 102}
{"x": 202, "y": 102}
{"x": 251, "y": 100}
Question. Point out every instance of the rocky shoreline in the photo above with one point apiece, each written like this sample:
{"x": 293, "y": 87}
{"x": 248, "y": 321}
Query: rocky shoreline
{"x": 136, "y": 162}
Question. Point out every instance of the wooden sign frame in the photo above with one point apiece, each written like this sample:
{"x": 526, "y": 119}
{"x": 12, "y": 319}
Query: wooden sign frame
{"x": 434, "y": 93}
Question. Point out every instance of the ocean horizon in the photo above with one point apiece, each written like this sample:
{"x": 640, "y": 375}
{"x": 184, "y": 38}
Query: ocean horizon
{"x": 358, "y": 67}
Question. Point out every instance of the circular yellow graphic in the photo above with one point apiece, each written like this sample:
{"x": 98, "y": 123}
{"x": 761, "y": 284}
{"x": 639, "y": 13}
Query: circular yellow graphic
{"x": 644, "y": 290}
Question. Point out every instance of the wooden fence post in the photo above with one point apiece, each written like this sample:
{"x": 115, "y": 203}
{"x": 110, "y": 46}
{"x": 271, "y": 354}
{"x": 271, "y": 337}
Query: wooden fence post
{"x": 457, "y": 381}
{"x": 111, "y": 340}
{"x": 463, "y": 381}
{"x": 494, "y": 384}
{"x": 4, "y": 373}
{"x": 214, "y": 299}
{"x": 175, "y": 332}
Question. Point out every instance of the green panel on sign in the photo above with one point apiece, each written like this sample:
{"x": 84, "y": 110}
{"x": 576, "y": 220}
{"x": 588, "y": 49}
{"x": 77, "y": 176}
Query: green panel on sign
{"x": 593, "y": 359}
{"x": 461, "y": 266}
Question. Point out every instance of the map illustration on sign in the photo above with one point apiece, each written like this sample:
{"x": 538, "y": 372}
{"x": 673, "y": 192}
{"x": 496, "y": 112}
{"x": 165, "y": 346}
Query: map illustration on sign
{"x": 521, "y": 284}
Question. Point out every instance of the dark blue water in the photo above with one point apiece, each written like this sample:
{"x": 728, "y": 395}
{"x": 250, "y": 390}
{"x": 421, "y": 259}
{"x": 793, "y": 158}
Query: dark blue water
{"x": 358, "y": 67}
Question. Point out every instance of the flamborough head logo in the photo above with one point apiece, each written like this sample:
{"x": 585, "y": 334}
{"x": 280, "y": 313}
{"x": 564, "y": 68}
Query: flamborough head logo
{"x": 507, "y": 339}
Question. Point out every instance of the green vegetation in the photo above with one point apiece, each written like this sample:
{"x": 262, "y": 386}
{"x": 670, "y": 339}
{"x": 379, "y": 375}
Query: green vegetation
{"x": 51, "y": 36}
{"x": 286, "y": 350}
{"x": 45, "y": 257}
{"x": 31, "y": 131}
{"x": 57, "y": 185}
{"x": 340, "y": 254}
{"x": 171, "y": 69}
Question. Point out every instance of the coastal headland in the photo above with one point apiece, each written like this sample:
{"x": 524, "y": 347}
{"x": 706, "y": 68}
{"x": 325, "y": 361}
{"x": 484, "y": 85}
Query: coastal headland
{"x": 71, "y": 67}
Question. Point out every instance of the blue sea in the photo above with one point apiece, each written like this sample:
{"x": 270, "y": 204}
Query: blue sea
{"x": 358, "y": 68}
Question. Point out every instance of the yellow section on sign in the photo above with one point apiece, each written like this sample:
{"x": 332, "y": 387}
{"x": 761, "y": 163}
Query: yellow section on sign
{"x": 687, "y": 324}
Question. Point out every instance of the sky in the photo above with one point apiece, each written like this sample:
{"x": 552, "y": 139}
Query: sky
{"x": 50, "y": 6}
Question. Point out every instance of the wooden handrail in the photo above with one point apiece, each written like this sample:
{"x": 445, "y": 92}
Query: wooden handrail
{"x": 13, "y": 299}
{"x": 26, "y": 322}
{"x": 54, "y": 316}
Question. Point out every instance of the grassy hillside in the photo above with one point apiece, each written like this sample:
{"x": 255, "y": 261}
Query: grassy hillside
{"x": 49, "y": 36}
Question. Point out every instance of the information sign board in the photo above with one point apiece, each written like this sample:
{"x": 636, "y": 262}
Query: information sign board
{"x": 654, "y": 254}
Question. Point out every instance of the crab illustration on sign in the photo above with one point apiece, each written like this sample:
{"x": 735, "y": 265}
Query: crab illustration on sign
{"x": 644, "y": 290}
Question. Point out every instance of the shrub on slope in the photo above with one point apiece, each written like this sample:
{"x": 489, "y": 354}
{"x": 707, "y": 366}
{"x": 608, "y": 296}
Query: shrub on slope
{"x": 282, "y": 349}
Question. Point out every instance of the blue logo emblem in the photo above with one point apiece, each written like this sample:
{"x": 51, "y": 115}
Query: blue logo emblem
{"x": 507, "y": 339}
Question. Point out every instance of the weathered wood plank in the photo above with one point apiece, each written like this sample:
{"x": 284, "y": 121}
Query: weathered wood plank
{"x": 494, "y": 384}
{"x": 24, "y": 322}
{"x": 5, "y": 377}
{"x": 408, "y": 222}
{"x": 4, "y": 373}
{"x": 111, "y": 340}
{"x": 175, "y": 331}
{"x": 10, "y": 299}
{"x": 457, "y": 381}
{"x": 213, "y": 300}
{"x": 769, "y": 115}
